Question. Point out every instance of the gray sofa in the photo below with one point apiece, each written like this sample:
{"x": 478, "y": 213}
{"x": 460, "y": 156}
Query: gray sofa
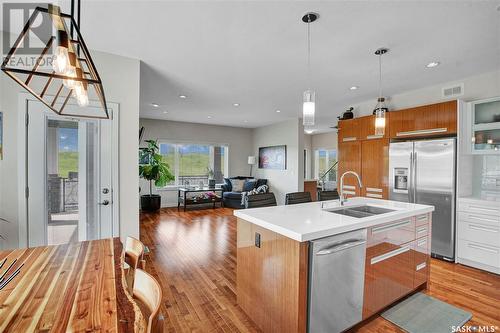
{"x": 231, "y": 198}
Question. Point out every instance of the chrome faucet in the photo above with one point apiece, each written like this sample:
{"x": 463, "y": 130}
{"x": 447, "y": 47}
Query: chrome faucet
{"x": 342, "y": 198}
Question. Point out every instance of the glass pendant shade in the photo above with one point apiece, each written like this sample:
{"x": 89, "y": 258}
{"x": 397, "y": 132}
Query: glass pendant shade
{"x": 309, "y": 108}
{"x": 379, "y": 112}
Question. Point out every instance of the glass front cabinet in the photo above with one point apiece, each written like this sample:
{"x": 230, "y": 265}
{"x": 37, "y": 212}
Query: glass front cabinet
{"x": 485, "y": 123}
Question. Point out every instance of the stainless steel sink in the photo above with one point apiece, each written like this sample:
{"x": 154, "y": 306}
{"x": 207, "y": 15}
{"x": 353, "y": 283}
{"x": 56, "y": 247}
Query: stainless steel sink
{"x": 360, "y": 211}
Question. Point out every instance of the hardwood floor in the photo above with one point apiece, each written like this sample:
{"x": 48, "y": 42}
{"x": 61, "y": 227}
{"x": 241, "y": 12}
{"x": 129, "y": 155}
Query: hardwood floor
{"x": 193, "y": 256}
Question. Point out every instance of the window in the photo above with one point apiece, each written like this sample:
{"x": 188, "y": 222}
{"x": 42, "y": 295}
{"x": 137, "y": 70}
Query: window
{"x": 190, "y": 162}
{"x": 324, "y": 159}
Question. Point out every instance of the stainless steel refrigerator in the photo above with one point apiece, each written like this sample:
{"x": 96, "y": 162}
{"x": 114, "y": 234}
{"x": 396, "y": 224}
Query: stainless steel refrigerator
{"x": 424, "y": 172}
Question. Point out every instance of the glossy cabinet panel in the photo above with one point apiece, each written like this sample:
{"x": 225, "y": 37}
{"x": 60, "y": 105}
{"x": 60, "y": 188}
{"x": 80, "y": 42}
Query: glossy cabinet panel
{"x": 375, "y": 168}
{"x": 349, "y": 156}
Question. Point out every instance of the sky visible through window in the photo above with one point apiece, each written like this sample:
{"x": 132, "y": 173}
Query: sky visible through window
{"x": 68, "y": 139}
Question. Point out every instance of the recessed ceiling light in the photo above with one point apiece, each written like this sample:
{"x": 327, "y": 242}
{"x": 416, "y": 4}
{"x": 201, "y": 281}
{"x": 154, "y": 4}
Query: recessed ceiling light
{"x": 183, "y": 96}
{"x": 354, "y": 88}
{"x": 278, "y": 111}
{"x": 155, "y": 105}
{"x": 236, "y": 104}
{"x": 433, "y": 64}
{"x": 309, "y": 131}
{"x": 209, "y": 117}
{"x": 165, "y": 111}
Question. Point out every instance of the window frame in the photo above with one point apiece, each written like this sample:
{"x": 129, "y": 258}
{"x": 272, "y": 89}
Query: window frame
{"x": 316, "y": 160}
{"x": 178, "y": 143}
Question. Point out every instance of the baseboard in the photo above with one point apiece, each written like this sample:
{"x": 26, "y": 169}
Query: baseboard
{"x": 478, "y": 265}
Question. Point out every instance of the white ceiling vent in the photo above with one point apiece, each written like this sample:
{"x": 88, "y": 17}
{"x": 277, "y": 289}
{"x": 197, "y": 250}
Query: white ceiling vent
{"x": 453, "y": 91}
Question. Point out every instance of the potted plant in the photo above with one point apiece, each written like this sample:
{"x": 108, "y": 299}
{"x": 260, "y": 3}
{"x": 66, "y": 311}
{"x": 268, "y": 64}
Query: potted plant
{"x": 211, "y": 179}
{"x": 153, "y": 168}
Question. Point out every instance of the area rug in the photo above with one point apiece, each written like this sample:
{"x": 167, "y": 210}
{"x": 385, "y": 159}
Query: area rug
{"x": 421, "y": 313}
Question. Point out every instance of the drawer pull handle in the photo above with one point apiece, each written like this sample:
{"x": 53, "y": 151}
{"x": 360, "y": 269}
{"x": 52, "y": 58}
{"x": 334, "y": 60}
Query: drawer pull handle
{"x": 349, "y": 187}
{"x": 350, "y": 192}
{"x": 484, "y": 208}
{"x": 389, "y": 255}
{"x": 372, "y": 195}
{"x": 396, "y": 225}
{"x": 482, "y": 228}
{"x": 422, "y": 243}
{"x": 351, "y": 138}
{"x": 370, "y": 137}
{"x": 483, "y": 248}
{"x": 425, "y": 131}
{"x": 478, "y": 218}
{"x": 422, "y": 217}
{"x": 421, "y": 230}
{"x": 372, "y": 189}
{"x": 421, "y": 266}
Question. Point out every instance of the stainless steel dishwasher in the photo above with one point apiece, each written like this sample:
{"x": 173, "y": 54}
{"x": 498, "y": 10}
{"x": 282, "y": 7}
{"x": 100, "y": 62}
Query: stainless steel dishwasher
{"x": 336, "y": 282}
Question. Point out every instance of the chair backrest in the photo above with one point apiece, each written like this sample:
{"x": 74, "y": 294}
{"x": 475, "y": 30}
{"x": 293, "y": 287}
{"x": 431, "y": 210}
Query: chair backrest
{"x": 148, "y": 291}
{"x": 134, "y": 251}
{"x": 260, "y": 200}
{"x": 297, "y": 197}
{"x": 328, "y": 195}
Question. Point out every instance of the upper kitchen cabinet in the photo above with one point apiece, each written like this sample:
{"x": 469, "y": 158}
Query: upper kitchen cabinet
{"x": 348, "y": 130}
{"x": 428, "y": 120}
{"x": 367, "y": 127}
{"x": 349, "y": 157}
{"x": 485, "y": 126}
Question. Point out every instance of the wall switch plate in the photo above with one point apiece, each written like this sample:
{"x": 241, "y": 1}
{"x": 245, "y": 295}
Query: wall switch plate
{"x": 257, "y": 239}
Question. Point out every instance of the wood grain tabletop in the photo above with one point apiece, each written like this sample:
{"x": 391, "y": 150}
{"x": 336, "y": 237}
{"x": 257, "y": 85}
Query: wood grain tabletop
{"x": 76, "y": 287}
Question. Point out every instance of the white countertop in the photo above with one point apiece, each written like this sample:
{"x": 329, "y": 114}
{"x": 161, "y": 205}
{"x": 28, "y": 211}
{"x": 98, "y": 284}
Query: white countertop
{"x": 305, "y": 222}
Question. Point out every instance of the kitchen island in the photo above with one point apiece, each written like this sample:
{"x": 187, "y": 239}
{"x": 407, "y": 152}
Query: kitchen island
{"x": 323, "y": 267}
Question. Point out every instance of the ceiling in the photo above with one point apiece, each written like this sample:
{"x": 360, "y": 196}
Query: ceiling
{"x": 254, "y": 52}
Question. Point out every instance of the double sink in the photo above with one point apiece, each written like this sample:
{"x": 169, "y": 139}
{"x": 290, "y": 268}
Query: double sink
{"x": 360, "y": 211}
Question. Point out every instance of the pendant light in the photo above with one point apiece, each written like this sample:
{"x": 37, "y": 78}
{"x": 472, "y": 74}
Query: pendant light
{"x": 309, "y": 97}
{"x": 380, "y": 108}
{"x": 72, "y": 73}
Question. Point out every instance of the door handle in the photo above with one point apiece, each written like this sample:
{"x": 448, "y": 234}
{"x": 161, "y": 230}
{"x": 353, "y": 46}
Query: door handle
{"x": 340, "y": 247}
{"x": 104, "y": 203}
{"x": 415, "y": 177}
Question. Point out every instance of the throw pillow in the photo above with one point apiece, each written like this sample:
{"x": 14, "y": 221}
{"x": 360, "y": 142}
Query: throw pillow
{"x": 227, "y": 182}
{"x": 249, "y": 185}
{"x": 237, "y": 185}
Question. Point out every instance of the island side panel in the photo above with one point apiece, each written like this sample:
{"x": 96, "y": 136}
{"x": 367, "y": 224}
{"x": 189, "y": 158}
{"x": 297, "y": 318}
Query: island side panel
{"x": 272, "y": 280}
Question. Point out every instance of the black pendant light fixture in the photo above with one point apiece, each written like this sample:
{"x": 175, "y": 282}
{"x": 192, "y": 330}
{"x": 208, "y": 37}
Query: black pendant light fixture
{"x": 72, "y": 73}
{"x": 380, "y": 108}
{"x": 309, "y": 97}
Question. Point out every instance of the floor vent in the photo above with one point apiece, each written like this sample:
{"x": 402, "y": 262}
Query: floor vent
{"x": 452, "y": 91}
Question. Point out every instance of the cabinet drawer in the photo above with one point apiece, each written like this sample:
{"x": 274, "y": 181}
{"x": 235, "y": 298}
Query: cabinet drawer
{"x": 388, "y": 277}
{"x": 394, "y": 233}
{"x": 422, "y": 219}
{"x": 482, "y": 229}
{"x": 479, "y": 208}
{"x": 484, "y": 254}
{"x": 422, "y": 231}
{"x": 421, "y": 254}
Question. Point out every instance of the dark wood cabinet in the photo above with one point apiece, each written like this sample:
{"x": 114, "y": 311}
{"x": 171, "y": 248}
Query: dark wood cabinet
{"x": 375, "y": 168}
{"x": 428, "y": 120}
{"x": 349, "y": 158}
{"x": 349, "y": 130}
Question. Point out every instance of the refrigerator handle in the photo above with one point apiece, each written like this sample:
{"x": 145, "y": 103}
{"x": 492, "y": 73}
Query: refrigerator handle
{"x": 415, "y": 177}
{"x": 410, "y": 179}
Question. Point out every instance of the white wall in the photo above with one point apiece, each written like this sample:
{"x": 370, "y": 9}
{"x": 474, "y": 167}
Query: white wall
{"x": 289, "y": 133}
{"x": 309, "y": 156}
{"x": 120, "y": 76}
{"x": 238, "y": 139}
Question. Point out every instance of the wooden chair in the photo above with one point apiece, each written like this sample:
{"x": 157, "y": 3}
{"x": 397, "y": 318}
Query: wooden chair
{"x": 148, "y": 291}
{"x": 134, "y": 258}
{"x": 297, "y": 198}
{"x": 260, "y": 200}
{"x": 328, "y": 195}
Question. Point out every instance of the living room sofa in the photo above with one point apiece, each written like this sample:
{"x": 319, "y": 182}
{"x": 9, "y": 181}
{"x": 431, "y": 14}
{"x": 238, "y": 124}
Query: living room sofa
{"x": 232, "y": 198}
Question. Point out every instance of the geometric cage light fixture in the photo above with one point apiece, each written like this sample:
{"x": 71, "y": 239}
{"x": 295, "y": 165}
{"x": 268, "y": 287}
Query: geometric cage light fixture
{"x": 63, "y": 70}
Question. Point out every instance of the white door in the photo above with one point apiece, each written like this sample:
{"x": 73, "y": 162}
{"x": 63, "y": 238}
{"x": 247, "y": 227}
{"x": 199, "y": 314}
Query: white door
{"x": 69, "y": 177}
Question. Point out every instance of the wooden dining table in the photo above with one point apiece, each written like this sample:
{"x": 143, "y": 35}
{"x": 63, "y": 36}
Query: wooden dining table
{"x": 75, "y": 287}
